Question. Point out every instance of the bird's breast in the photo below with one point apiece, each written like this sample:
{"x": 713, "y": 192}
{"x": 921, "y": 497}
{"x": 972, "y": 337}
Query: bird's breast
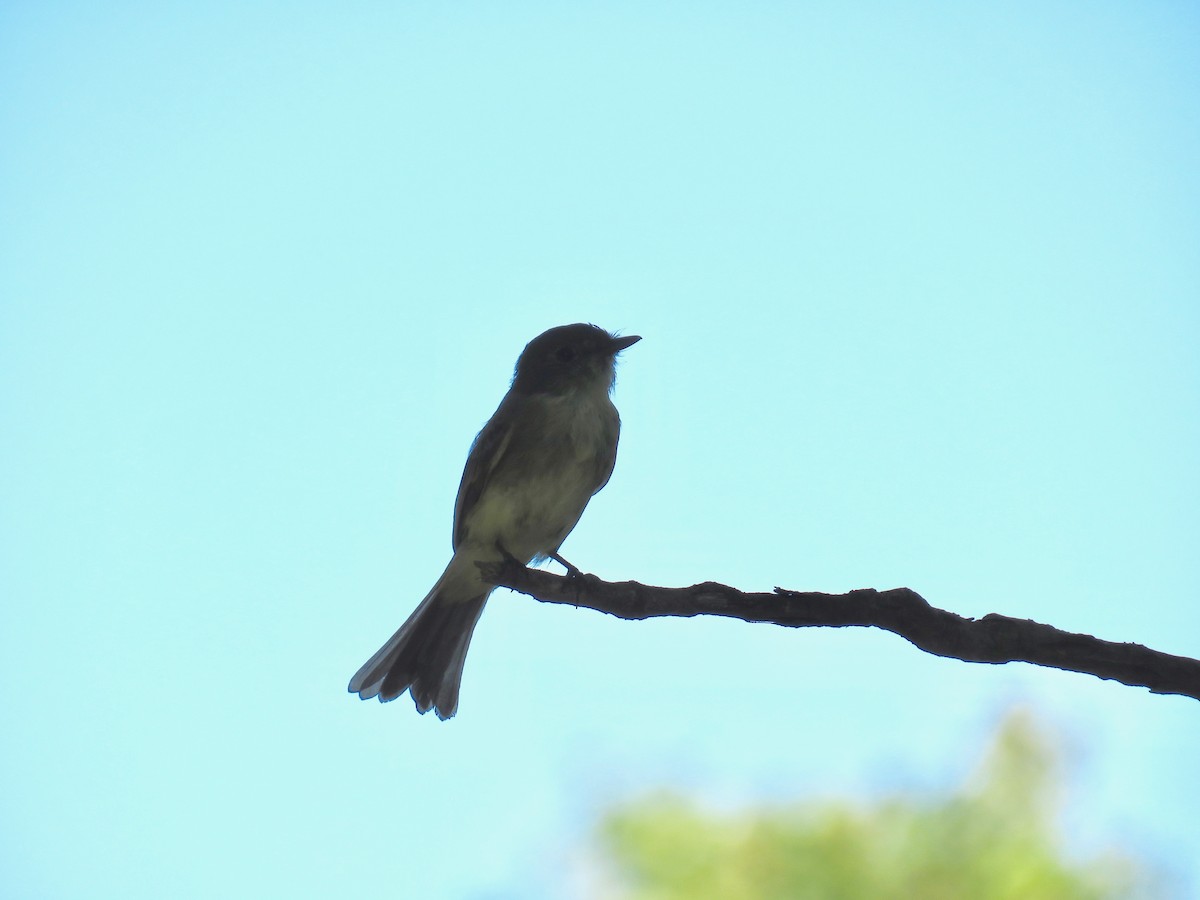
{"x": 532, "y": 507}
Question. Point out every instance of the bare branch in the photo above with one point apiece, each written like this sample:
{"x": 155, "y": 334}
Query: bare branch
{"x": 992, "y": 639}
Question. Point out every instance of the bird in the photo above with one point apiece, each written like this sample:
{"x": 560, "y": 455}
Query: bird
{"x": 548, "y": 448}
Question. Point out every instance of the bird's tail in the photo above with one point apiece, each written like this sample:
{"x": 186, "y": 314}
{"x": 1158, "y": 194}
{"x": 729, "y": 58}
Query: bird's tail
{"x": 426, "y": 655}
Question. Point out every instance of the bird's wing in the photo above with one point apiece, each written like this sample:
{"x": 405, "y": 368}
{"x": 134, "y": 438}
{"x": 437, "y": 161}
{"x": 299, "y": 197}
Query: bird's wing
{"x": 486, "y": 453}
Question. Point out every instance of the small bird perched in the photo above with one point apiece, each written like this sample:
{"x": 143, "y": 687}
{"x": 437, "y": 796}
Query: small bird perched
{"x": 548, "y": 447}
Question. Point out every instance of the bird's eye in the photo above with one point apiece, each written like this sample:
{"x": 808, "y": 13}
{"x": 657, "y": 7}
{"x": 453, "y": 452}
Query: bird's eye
{"x": 566, "y": 354}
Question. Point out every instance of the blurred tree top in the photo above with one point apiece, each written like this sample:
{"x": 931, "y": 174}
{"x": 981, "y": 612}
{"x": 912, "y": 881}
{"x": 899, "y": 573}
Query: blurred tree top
{"x": 992, "y": 839}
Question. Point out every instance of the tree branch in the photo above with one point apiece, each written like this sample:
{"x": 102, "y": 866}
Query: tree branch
{"x": 992, "y": 639}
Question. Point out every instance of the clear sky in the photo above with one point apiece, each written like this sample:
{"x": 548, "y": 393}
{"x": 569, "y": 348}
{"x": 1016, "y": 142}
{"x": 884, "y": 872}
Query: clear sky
{"x": 920, "y": 293}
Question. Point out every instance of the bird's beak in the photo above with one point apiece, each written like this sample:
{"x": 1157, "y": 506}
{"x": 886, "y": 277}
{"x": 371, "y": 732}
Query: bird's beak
{"x": 623, "y": 343}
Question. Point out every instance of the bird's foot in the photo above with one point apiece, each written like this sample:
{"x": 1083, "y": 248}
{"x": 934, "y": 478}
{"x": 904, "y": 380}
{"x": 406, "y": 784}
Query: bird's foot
{"x": 509, "y": 559}
{"x": 573, "y": 573}
{"x": 575, "y": 577}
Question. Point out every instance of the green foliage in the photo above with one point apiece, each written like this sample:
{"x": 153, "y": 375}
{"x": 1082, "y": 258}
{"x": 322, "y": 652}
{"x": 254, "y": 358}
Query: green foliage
{"x": 993, "y": 839}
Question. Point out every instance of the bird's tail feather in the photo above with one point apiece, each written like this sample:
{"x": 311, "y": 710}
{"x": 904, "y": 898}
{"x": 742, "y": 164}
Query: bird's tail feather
{"x": 426, "y": 655}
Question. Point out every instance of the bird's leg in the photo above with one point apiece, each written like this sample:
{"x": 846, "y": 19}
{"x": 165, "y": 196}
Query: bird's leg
{"x": 575, "y": 578}
{"x": 572, "y": 572}
{"x": 509, "y": 559}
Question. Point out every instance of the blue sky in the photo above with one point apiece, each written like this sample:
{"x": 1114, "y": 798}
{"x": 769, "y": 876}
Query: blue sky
{"x": 920, "y": 293}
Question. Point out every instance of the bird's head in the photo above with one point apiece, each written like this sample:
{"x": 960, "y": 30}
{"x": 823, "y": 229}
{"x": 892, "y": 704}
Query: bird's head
{"x": 570, "y": 358}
